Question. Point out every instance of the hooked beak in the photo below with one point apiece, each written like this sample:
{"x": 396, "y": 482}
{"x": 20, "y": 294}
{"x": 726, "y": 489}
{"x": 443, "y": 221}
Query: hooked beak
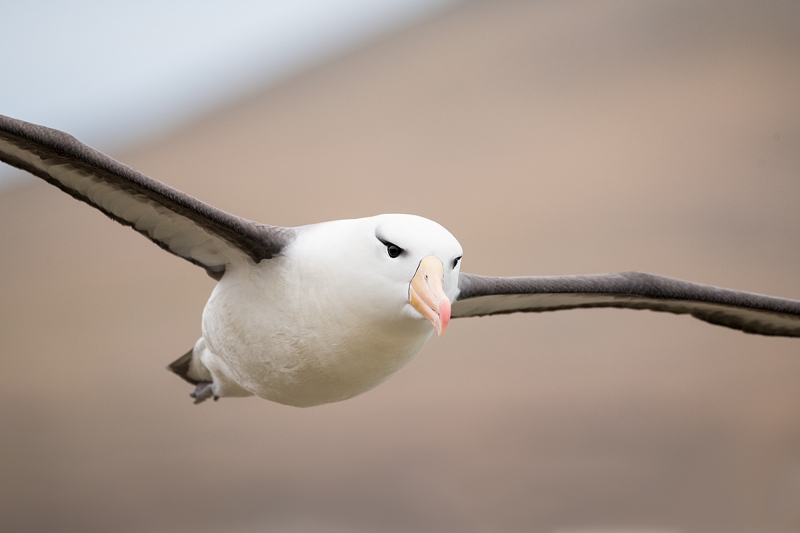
{"x": 426, "y": 295}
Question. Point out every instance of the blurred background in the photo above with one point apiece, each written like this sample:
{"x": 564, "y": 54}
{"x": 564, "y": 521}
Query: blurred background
{"x": 549, "y": 137}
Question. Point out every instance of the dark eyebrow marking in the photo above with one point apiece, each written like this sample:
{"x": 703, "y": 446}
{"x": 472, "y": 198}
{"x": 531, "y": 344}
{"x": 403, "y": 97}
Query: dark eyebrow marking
{"x": 385, "y": 242}
{"x": 389, "y": 244}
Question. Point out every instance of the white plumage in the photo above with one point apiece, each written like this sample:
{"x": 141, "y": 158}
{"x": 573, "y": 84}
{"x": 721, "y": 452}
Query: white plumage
{"x": 328, "y": 319}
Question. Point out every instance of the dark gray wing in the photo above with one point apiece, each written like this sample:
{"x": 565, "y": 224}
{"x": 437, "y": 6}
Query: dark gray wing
{"x": 175, "y": 221}
{"x": 752, "y": 313}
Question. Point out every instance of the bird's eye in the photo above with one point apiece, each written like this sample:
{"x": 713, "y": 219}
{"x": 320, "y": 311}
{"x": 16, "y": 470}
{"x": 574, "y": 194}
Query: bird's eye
{"x": 456, "y": 260}
{"x": 393, "y": 250}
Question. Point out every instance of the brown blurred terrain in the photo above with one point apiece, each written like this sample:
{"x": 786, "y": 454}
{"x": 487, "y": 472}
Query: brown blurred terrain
{"x": 550, "y": 138}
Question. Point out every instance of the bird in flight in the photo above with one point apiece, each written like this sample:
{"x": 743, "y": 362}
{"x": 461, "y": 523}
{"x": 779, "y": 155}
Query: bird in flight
{"x": 321, "y": 313}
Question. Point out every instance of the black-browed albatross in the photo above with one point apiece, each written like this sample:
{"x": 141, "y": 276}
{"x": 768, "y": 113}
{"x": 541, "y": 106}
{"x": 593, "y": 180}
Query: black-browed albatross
{"x": 321, "y": 313}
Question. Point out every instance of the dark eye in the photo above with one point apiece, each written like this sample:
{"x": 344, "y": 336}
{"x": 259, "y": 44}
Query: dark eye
{"x": 391, "y": 248}
{"x": 456, "y": 260}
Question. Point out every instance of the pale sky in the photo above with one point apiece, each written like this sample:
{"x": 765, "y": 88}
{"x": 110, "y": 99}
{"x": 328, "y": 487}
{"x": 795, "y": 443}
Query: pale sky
{"x": 112, "y": 72}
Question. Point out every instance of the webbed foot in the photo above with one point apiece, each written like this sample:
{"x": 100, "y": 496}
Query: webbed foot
{"x": 203, "y": 392}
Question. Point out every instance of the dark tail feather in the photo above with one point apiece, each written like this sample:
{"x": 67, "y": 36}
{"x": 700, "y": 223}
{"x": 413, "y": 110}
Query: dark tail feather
{"x": 181, "y": 367}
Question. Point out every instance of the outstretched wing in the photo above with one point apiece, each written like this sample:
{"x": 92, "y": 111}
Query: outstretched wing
{"x": 752, "y": 313}
{"x": 175, "y": 221}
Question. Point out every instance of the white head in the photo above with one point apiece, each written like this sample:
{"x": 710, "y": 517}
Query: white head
{"x": 422, "y": 259}
{"x": 399, "y": 265}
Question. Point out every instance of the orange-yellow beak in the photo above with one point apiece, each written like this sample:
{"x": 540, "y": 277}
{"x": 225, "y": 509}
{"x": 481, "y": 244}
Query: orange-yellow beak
{"x": 426, "y": 295}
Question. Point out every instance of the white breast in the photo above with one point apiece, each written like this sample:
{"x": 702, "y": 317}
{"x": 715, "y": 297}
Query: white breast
{"x": 306, "y": 328}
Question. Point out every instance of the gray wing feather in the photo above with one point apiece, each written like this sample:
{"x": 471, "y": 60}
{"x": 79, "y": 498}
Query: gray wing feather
{"x": 748, "y": 312}
{"x": 177, "y": 222}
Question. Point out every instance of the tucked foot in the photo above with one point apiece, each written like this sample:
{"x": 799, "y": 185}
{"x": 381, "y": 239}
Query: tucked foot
{"x": 203, "y": 392}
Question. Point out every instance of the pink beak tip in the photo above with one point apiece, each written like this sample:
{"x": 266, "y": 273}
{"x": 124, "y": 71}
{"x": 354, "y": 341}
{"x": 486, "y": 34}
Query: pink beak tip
{"x": 444, "y": 316}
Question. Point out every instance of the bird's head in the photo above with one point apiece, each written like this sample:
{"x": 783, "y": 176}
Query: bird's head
{"x": 393, "y": 265}
{"x": 419, "y": 261}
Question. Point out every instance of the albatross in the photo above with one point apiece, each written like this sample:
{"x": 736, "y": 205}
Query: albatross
{"x": 320, "y": 313}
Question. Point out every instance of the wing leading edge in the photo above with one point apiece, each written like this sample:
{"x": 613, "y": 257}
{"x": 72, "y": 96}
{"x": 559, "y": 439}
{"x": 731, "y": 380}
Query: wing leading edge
{"x": 748, "y": 312}
{"x": 179, "y": 223}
